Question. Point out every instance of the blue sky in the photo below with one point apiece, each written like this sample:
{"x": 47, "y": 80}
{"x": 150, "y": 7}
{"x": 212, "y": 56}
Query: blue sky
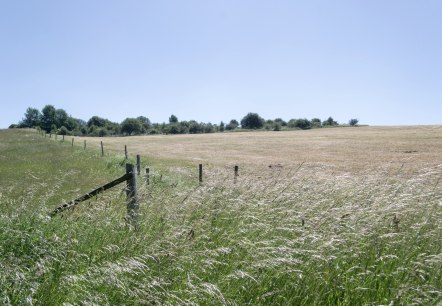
{"x": 376, "y": 60}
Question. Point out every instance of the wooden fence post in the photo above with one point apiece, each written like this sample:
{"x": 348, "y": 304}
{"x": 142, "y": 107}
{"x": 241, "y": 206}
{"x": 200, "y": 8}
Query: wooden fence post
{"x": 72, "y": 141}
{"x": 235, "y": 178}
{"x": 133, "y": 206}
{"x": 201, "y": 173}
{"x": 102, "y": 149}
{"x": 147, "y": 176}
{"x": 125, "y": 151}
{"x": 85, "y": 144}
{"x": 63, "y": 138}
{"x": 138, "y": 164}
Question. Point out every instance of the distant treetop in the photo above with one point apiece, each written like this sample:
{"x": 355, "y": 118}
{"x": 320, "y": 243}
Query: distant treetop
{"x": 54, "y": 120}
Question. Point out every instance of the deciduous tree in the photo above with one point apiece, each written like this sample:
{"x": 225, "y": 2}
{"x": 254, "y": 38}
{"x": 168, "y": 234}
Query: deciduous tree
{"x": 32, "y": 118}
{"x": 131, "y": 126}
{"x": 252, "y": 121}
{"x": 353, "y": 122}
{"x": 48, "y": 117}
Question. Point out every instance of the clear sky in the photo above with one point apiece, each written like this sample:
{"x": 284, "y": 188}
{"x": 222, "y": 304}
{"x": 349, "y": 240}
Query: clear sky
{"x": 210, "y": 60}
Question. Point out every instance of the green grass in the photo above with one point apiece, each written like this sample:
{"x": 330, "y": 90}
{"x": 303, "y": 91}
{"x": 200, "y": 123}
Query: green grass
{"x": 277, "y": 237}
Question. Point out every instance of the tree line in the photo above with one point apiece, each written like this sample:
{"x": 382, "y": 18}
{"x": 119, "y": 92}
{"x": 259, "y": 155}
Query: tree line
{"x": 58, "y": 121}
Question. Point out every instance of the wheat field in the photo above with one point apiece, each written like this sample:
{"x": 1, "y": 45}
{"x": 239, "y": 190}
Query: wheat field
{"x": 344, "y": 150}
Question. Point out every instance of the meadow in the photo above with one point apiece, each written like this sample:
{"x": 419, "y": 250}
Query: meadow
{"x": 339, "y": 216}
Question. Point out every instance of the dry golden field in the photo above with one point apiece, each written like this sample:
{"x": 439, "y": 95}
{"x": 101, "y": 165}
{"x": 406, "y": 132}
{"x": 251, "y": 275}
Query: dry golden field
{"x": 339, "y": 150}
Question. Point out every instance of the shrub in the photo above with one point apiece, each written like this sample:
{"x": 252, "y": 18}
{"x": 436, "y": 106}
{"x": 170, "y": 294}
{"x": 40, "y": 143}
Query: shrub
{"x": 63, "y": 131}
{"x": 102, "y": 132}
{"x": 276, "y": 126}
{"x": 303, "y": 124}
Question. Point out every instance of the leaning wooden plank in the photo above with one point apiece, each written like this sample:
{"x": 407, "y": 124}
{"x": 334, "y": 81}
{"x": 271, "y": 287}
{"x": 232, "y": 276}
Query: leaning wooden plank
{"x": 89, "y": 195}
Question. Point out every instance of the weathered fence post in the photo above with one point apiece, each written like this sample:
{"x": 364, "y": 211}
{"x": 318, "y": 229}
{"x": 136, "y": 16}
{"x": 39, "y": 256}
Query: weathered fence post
{"x": 235, "y": 178}
{"x": 102, "y": 149}
{"x": 138, "y": 164}
{"x": 85, "y": 144}
{"x": 125, "y": 151}
{"x": 72, "y": 141}
{"x": 133, "y": 207}
{"x": 63, "y": 138}
{"x": 201, "y": 173}
{"x": 147, "y": 176}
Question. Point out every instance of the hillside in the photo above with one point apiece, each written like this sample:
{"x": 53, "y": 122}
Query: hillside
{"x": 319, "y": 217}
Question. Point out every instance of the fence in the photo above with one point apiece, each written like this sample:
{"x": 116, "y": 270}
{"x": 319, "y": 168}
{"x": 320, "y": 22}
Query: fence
{"x": 133, "y": 205}
{"x": 130, "y": 179}
{"x": 138, "y": 161}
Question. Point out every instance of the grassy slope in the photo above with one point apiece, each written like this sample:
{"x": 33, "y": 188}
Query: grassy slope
{"x": 286, "y": 236}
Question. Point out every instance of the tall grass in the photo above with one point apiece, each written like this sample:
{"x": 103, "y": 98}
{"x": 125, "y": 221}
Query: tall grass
{"x": 298, "y": 236}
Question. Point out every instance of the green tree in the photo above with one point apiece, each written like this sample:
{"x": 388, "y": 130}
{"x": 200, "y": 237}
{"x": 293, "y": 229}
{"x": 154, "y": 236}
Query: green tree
{"x": 173, "y": 128}
{"x": 131, "y": 126}
{"x": 353, "y": 122}
{"x": 145, "y": 123}
{"x": 91, "y": 129}
{"x": 252, "y": 121}
{"x": 61, "y": 118}
{"x": 303, "y": 124}
{"x": 195, "y": 127}
{"x": 330, "y": 122}
{"x": 32, "y": 118}
{"x": 48, "y": 117}
{"x": 102, "y": 132}
{"x": 97, "y": 121}
{"x": 280, "y": 121}
{"x": 173, "y": 119}
{"x": 233, "y": 124}
{"x": 84, "y": 130}
{"x": 221, "y": 126}
{"x": 209, "y": 128}
{"x": 316, "y": 122}
{"x": 72, "y": 124}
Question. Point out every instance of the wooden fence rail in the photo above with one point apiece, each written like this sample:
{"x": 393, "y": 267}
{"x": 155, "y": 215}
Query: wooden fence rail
{"x": 132, "y": 198}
